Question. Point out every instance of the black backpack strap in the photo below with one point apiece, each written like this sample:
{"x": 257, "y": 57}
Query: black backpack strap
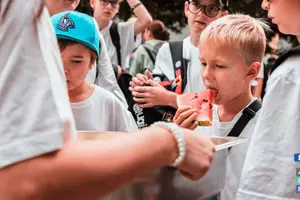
{"x": 179, "y": 65}
{"x": 149, "y": 53}
{"x": 282, "y": 58}
{"x": 248, "y": 114}
{"x": 115, "y": 38}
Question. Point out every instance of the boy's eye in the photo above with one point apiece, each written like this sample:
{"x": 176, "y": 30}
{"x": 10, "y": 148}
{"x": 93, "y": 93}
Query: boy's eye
{"x": 220, "y": 66}
{"x": 76, "y": 61}
{"x": 203, "y": 64}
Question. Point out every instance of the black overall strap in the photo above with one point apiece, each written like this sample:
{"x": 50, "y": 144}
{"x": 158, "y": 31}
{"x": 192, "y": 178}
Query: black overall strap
{"x": 248, "y": 114}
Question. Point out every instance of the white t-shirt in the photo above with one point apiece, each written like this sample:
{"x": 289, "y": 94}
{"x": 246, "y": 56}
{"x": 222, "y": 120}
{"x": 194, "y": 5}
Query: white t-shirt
{"x": 235, "y": 158}
{"x": 269, "y": 171}
{"x": 35, "y": 114}
{"x": 127, "y": 42}
{"x": 164, "y": 65}
{"x": 106, "y": 77}
{"x": 102, "y": 111}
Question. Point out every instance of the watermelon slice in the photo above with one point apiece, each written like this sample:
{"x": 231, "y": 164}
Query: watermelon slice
{"x": 202, "y": 102}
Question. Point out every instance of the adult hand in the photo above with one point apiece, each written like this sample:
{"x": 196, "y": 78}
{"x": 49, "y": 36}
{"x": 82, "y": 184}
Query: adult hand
{"x": 200, "y": 151}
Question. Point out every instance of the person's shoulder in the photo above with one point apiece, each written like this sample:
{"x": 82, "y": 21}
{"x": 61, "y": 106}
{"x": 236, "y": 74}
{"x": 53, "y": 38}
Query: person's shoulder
{"x": 126, "y": 25}
{"x": 103, "y": 93}
{"x": 105, "y": 96}
{"x": 187, "y": 42}
{"x": 140, "y": 50}
{"x": 164, "y": 47}
{"x": 288, "y": 70}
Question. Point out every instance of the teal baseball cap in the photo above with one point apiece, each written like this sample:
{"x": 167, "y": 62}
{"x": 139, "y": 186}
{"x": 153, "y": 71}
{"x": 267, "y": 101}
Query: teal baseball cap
{"x": 77, "y": 27}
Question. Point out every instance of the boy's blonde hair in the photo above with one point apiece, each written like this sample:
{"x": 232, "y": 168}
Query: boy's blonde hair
{"x": 242, "y": 32}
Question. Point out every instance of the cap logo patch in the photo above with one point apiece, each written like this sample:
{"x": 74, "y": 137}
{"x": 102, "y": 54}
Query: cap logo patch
{"x": 65, "y": 23}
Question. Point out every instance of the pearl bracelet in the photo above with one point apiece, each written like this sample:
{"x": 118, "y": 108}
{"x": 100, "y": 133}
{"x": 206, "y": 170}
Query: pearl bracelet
{"x": 179, "y": 136}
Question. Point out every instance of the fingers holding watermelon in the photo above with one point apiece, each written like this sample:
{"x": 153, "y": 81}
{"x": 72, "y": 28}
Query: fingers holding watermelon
{"x": 186, "y": 117}
{"x": 202, "y": 102}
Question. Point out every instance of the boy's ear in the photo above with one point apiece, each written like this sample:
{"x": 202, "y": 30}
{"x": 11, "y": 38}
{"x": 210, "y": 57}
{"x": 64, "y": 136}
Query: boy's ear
{"x": 186, "y": 8}
{"x": 224, "y": 13}
{"x": 92, "y": 65}
{"x": 92, "y": 3}
{"x": 254, "y": 70}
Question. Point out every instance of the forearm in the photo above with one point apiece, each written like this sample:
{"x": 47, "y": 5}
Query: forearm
{"x": 171, "y": 99}
{"x": 144, "y": 19}
{"x": 89, "y": 169}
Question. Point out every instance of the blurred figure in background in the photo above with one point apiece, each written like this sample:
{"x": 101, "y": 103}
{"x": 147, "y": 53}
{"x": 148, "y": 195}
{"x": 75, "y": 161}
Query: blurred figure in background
{"x": 120, "y": 38}
{"x": 144, "y": 57}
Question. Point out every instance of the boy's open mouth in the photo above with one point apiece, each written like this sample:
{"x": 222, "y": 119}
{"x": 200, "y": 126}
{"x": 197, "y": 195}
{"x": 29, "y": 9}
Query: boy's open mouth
{"x": 214, "y": 90}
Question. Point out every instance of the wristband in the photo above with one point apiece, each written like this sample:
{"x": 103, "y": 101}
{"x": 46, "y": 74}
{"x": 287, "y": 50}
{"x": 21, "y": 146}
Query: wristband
{"x": 136, "y": 5}
{"x": 179, "y": 136}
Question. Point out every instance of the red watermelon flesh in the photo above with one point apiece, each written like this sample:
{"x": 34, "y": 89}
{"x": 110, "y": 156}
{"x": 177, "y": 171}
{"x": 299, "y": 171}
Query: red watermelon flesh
{"x": 202, "y": 102}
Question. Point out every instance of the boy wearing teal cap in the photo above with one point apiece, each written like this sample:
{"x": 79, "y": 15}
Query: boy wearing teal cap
{"x": 94, "y": 108}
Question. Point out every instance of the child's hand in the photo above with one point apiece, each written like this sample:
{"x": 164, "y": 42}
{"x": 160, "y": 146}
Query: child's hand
{"x": 185, "y": 117}
{"x": 151, "y": 94}
{"x": 140, "y": 80}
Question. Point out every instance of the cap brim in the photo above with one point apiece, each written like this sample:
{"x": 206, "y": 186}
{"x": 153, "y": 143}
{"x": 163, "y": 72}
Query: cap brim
{"x": 64, "y": 37}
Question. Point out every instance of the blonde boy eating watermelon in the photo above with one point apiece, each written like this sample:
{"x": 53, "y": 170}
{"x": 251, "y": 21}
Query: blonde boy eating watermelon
{"x": 231, "y": 50}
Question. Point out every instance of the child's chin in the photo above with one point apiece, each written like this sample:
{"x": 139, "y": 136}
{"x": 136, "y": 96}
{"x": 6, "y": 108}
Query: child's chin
{"x": 217, "y": 102}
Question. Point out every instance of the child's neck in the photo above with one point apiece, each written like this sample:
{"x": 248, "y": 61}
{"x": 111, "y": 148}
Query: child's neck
{"x": 229, "y": 110}
{"x": 195, "y": 37}
{"x": 102, "y": 24}
{"x": 81, "y": 93}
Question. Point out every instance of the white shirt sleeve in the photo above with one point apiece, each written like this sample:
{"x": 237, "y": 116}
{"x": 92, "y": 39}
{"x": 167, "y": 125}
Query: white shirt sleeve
{"x": 126, "y": 32}
{"x": 35, "y": 114}
{"x": 164, "y": 62}
{"x": 106, "y": 76}
{"x": 269, "y": 171}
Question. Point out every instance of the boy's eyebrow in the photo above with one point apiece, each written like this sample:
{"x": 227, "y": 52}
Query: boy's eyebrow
{"x": 76, "y": 56}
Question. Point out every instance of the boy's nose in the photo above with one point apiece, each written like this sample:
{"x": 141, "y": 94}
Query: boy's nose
{"x": 265, "y": 4}
{"x": 109, "y": 6}
{"x": 206, "y": 72}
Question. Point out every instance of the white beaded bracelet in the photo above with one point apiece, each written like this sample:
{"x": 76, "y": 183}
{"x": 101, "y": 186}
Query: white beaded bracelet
{"x": 179, "y": 136}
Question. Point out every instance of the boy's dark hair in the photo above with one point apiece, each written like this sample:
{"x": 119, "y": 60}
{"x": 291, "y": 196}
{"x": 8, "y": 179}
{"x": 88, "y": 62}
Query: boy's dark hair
{"x": 159, "y": 31}
{"x": 65, "y": 43}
